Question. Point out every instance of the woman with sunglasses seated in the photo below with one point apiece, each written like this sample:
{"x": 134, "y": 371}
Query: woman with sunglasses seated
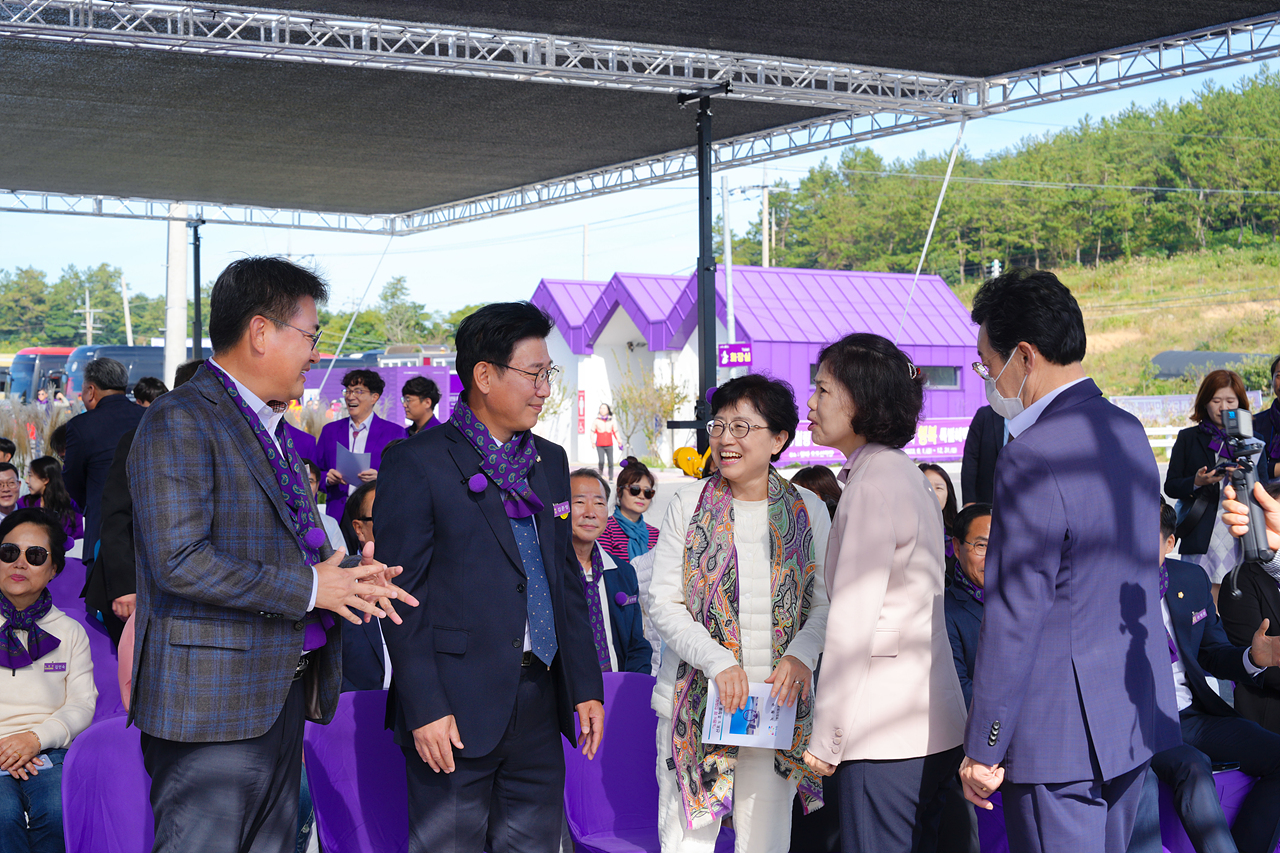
{"x": 49, "y": 695}
{"x": 626, "y": 534}
{"x": 738, "y": 596}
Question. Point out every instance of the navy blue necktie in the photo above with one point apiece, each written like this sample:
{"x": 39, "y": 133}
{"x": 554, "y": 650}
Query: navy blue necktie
{"x": 542, "y": 622}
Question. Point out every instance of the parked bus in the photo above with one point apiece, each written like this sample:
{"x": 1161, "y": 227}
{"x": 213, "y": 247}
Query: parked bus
{"x": 35, "y": 368}
{"x": 140, "y": 362}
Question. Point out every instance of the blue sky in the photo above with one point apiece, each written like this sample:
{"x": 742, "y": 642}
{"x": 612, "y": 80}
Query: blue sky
{"x": 646, "y": 230}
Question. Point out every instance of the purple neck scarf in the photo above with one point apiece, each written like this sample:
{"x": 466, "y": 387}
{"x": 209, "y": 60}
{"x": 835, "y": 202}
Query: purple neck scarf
{"x": 39, "y": 641}
{"x": 507, "y": 466}
{"x": 283, "y": 460}
{"x": 967, "y": 585}
{"x": 1219, "y": 442}
{"x": 1164, "y": 578}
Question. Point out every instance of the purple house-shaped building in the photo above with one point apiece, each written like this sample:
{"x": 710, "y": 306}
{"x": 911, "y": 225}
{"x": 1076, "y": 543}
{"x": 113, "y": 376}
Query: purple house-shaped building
{"x": 646, "y": 322}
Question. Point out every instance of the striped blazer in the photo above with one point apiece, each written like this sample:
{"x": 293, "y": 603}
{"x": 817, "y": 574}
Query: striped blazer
{"x": 223, "y": 586}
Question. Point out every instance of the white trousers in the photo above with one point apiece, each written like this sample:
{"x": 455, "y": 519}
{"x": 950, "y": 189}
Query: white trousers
{"x": 761, "y": 805}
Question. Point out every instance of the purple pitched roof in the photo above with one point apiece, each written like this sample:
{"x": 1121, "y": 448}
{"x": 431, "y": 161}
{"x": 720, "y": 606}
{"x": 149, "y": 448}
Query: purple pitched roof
{"x": 771, "y": 304}
{"x": 819, "y": 306}
{"x": 569, "y": 303}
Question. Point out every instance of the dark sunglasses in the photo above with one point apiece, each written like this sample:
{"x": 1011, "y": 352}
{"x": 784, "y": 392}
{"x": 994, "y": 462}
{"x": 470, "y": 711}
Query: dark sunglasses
{"x": 636, "y": 492}
{"x": 35, "y": 554}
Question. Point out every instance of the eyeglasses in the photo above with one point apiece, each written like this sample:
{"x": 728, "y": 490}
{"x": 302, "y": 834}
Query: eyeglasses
{"x": 35, "y": 554}
{"x": 542, "y": 377}
{"x": 357, "y": 391}
{"x": 636, "y": 491}
{"x": 737, "y": 429}
{"x": 367, "y": 519}
{"x": 979, "y": 548}
{"x": 315, "y": 338}
{"x": 981, "y": 369}
{"x": 8, "y": 484}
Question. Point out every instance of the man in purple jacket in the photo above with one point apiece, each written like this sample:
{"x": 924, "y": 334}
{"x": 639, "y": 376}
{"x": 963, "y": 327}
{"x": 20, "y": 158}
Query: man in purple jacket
{"x": 360, "y": 432}
{"x": 1071, "y": 692}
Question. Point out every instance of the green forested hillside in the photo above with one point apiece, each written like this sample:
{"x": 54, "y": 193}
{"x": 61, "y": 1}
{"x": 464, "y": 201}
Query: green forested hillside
{"x": 1147, "y": 183}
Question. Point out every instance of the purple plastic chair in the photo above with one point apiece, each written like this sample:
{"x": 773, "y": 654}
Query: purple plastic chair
{"x": 357, "y": 778}
{"x": 1233, "y": 786}
{"x": 106, "y": 792}
{"x": 611, "y": 802}
{"x": 65, "y": 589}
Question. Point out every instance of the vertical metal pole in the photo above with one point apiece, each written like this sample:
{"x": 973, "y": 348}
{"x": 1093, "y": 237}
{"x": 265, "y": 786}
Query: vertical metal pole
{"x": 706, "y": 274}
{"x": 197, "y": 336}
{"x": 586, "y": 229}
{"x": 128, "y": 319}
{"x": 175, "y": 300}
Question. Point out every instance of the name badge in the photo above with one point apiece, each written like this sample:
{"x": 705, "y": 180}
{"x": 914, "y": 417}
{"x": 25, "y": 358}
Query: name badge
{"x": 1198, "y": 615}
{"x": 561, "y": 510}
{"x": 55, "y": 667}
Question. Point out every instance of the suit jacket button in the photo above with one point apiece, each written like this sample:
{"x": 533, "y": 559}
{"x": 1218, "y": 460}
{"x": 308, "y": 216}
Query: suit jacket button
{"x": 520, "y": 588}
{"x": 836, "y": 741}
{"x": 299, "y": 625}
{"x": 991, "y": 741}
{"x": 839, "y": 732}
{"x": 515, "y": 644}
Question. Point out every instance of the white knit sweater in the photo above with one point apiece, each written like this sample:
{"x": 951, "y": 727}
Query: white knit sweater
{"x": 54, "y": 696}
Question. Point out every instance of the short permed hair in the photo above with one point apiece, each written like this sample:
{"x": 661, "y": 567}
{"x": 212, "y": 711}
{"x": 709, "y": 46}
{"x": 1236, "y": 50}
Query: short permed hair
{"x": 1031, "y": 305}
{"x": 52, "y": 526}
{"x": 772, "y": 398}
{"x": 252, "y": 287}
{"x": 887, "y": 390}
{"x": 370, "y": 379}
{"x": 491, "y": 333}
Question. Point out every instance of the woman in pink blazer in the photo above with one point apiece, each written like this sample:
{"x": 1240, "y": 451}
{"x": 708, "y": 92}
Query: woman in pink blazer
{"x": 889, "y": 716}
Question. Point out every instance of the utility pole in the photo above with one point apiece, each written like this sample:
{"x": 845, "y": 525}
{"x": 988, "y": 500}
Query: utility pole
{"x": 88, "y": 318}
{"x": 197, "y": 334}
{"x": 128, "y": 320}
{"x": 766, "y": 229}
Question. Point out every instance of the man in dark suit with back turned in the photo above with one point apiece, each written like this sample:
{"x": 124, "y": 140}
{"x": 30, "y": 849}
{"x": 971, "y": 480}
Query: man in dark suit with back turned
{"x": 988, "y": 432}
{"x": 234, "y": 648}
{"x": 91, "y": 445}
{"x": 1071, "y": 691}
{"x": 487, "y": 674}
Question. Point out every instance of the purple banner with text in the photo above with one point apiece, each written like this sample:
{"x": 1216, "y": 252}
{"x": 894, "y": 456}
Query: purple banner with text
{"x": 937, "y": 439}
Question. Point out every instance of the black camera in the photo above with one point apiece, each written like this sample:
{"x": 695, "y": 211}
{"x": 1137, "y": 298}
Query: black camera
{"x": 1244, "y": 450}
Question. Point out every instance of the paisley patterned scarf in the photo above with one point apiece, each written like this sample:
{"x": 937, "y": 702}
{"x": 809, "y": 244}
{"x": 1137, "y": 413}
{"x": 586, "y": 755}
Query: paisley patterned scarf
{"x": 13, "y": 655}
{"x": 507, "y": 466}
{"x": 705, "y": 772}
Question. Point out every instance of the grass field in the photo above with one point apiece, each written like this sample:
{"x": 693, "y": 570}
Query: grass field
{"x": 1225, "y": 301}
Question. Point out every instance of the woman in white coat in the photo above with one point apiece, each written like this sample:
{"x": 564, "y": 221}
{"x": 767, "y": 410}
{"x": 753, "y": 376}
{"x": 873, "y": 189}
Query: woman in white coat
{"x": 738, "y": 597}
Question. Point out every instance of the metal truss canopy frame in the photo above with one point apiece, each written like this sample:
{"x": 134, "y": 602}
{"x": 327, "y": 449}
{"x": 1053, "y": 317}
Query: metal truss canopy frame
{"x": 869, "y": 102}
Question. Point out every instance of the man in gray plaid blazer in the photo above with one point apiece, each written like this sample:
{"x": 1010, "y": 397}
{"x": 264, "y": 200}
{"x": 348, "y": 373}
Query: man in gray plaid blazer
{"x": 234, "y": 645}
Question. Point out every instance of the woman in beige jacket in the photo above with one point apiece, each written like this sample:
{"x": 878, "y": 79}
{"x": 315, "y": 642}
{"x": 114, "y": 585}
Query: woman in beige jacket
{"x": 890, "y": 715}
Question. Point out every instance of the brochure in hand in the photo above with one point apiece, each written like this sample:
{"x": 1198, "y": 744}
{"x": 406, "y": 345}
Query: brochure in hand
{"x": 763, "y": 723}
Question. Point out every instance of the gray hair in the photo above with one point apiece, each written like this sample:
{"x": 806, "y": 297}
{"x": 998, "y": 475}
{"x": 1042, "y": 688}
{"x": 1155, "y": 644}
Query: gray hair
{"x": 591, "y": 472}
{"x": 106, "y": 374}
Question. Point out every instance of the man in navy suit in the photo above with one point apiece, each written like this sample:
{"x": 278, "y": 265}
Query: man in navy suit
{"x": 610, "y": 584}
{"x": 490, "y": 670}
{"x": 1212, "y": 731}
{"x": 92, "y": 438}
{"x": 361, "y": 431}
{"x": 1071, "y": 696}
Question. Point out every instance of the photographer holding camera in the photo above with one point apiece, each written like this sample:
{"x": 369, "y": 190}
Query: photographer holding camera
{"x": 1197, "y": 465}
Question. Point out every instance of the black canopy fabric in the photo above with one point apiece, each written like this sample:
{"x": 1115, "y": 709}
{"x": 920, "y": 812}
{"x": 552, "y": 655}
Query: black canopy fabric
{"x": 132, "y": 122}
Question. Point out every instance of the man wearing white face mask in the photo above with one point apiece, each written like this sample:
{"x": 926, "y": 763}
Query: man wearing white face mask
{"x": 1066, "y": 703}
